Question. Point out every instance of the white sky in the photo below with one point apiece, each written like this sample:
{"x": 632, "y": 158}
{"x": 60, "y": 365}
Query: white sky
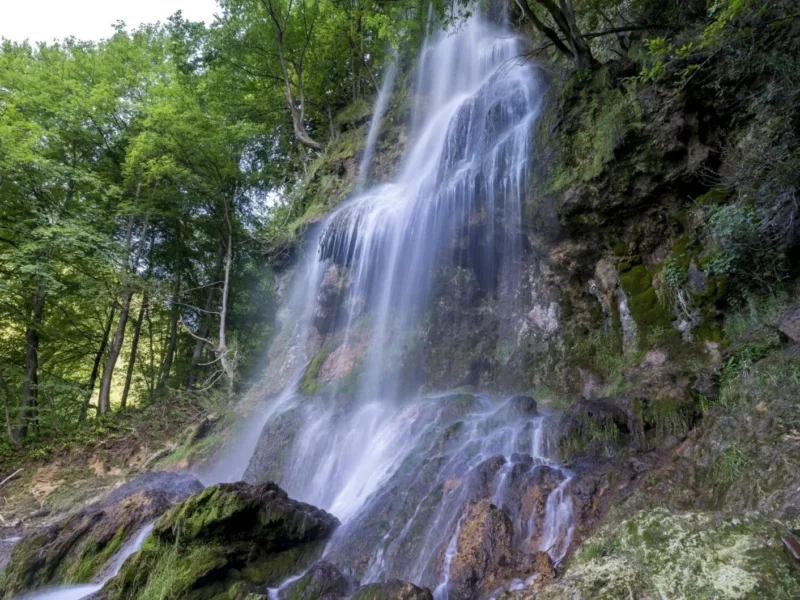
{"x": 46, "y": 20}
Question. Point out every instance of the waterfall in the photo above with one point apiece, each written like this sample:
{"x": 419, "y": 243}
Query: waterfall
{"x": 375, "y": 125}
{"x": 350, "y": 432}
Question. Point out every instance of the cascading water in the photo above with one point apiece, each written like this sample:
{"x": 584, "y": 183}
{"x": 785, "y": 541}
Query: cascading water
{"x": 375, "y": 126}
{"x": 350, "y": 433}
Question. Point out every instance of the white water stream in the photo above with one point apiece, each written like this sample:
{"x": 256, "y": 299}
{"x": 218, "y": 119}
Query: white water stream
{"x": 76, "y": 592}
{"x": 381, "y": 103}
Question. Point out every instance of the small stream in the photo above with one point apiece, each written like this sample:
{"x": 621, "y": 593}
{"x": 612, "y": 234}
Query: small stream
{"x": 76, "y": 592}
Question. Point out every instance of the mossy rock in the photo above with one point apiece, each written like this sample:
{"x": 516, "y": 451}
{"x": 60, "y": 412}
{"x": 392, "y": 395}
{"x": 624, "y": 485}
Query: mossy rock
{"x": 323, "y": 581}
{"x": 646, "y": 308}
{"x": 659, "y": 554}
{"x": 228, "y": 535}
{"x": 593, "y": 427}
{"x": 310, "y": 385}
{"x": 76, "y": 549}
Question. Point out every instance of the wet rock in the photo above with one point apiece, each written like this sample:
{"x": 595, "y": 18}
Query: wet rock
{"x": 545, "y": 319}
{"x": 543, "y": 566}
{"x": 228, "y": 536}
{"x": 77, "y": 548}
{"x": 173, "y": 486}
{"x": 341, "y": 362}
{"x": 328, "y": 298}
{"x": 789, "y": 325}
{"x": 534, "y": 489}
{"x": 323, "y": 581}
{"x": 518, "y": 407}
{"x": 455, "y": 407}
{"x": 480, "y": 481}
{"x": 272, "y": 450}
{"x": 392, "y": 590}
{"x": 484, "y": 547}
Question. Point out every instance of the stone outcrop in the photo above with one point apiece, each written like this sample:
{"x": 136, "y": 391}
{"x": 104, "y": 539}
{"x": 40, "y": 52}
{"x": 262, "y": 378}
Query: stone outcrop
{"x": 484, "y": 548}
{"x": 76, "y": 549}
{"x": 323, "y": 581}
{"x": 228, "y": 537}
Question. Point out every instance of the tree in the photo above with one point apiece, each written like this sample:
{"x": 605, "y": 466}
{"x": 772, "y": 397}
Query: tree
{"x": 567, "y": 37}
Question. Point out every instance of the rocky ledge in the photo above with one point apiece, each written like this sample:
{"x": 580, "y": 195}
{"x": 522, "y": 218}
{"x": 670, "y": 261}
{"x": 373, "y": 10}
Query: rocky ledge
{"x": 76, "y": 549}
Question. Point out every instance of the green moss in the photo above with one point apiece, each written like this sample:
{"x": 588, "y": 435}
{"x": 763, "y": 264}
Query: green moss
{"x": 646, "y": 308}
{"x": 93, "y": 557}
{"x": 220, "y": 538}
{"x": 620, "y": 248}
{"x": 604, "y": 116}
{"x": 354, "y": 113}
{"x": 592, "y": 435}
{"x": 729, "y": 465}
{"x": 309, "y": 384}
{"x": 195, "y": 451}
{"x": 667, "y": 417}
{"x": 273, "y": 569}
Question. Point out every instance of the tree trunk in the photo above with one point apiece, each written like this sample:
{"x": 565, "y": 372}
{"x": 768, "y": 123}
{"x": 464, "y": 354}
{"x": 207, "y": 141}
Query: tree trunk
{"x": 296, "y": 109}
{"x": 152, "y": 379}
{"x": 96, "y": 366}
{"x": 225, "y": 359}
{"x": 574, "y": 45}
{"x": 205, "y": 320}
{"x": 104, "y": 402}
{"x": 30, "y": 381}
{"x": 134, "y": 347}
{"x": 163, "y": 380}
{"x": 6, "y": 396}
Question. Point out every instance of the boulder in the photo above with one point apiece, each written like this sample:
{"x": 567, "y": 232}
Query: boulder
{"x": 789, "y": 324}
{"x": 484, "y": 548}
{"x": 273, "y": 447}
{"x": 228, "y": 537}
{"x": 323, "y": 581}
{"x": 76, "y": 549}
{"x": 392, "y": 590}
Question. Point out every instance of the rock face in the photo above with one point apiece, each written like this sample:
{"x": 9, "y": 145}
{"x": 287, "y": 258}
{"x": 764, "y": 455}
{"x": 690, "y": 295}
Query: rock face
{"x": 658, "y": 554}
{"x": 274, "y": 444}
{"x": 392, "y": 590}
{"x": 228, "y": 539}
{"x": 76, "y": 549}
{"x": 323, "y": 581}
{"x": 484, "y": 548}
